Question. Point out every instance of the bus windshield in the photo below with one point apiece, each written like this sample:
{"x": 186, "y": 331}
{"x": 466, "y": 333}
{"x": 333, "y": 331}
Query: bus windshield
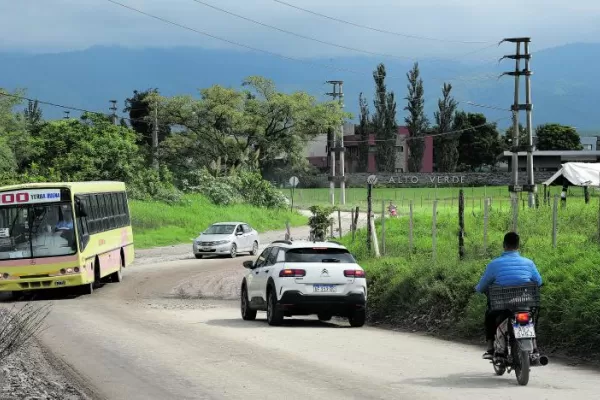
{"x": 36, "y": 230}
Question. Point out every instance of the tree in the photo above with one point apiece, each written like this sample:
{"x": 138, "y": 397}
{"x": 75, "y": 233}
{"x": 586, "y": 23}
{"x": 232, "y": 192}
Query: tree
{"x": 88, "y": 149}
{"x": 416, "y": 121}
{"x": 446, "y": 146}
{"x": 523, "y": 138}
{"x": 141, "y": 117}
{"x": 13, "y": 130}
{"x": 479, "y": 144}
{"x": 384, "y": 122}
{"x": 33, "y": 118}
{"x": 256, "y": 126}
{"x": 363, "y": 131}
{"x": 557, "y": 137}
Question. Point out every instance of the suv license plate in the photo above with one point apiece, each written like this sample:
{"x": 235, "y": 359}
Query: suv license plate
{"x": 325, "y": 288}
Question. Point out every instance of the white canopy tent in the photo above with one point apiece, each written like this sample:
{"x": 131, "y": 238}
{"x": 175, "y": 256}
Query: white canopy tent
{"x": 578, "y": 174}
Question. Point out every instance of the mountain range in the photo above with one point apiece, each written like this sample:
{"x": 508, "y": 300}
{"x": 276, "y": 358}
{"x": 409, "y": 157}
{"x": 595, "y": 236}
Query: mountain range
{"x": 565, "y": 84}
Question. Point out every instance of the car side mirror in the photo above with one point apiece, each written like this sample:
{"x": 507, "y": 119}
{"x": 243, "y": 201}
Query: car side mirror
{"x": 239, "y": 233}
{"x": 249, "y": 264}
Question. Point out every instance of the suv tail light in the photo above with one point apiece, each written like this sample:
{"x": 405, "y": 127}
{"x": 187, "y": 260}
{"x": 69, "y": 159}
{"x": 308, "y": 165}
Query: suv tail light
{"x": 522, "y": 318}
{"x": 354, "y": 273}
{"x": 292, "y": 273}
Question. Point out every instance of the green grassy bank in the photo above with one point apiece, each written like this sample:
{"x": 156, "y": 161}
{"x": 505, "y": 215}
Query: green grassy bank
{"x": 415, "y": 290}
{"x": 160, "y": 224}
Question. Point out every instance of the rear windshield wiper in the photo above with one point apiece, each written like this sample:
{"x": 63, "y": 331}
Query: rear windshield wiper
{"x": 334, "y": 260}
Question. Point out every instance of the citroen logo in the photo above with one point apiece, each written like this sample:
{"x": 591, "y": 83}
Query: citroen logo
{"x": 324, "y": 272}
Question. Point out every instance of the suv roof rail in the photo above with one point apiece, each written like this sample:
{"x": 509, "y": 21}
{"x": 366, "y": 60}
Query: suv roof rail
{"x": 282, "y": 241}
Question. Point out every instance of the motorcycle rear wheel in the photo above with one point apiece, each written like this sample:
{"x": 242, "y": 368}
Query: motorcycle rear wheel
{"x": 521, "y": 365}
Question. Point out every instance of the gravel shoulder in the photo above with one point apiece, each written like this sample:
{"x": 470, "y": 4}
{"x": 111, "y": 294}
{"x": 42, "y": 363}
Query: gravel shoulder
{"x": 31, "y": 373}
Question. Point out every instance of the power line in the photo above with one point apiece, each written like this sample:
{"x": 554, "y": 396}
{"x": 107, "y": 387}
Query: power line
{"x": 241, "y": 44}
{"x": 67, "y": 107}
{"x": 377, "y": 29}
{"x": 298, "y": 34}
{"x": 426, "y": 136}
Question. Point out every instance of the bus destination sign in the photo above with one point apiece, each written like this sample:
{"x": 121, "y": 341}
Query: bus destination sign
{"x": 32, "y": 196}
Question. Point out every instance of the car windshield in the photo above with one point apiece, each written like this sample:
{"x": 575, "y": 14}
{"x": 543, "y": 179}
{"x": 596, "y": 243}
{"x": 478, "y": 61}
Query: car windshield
{"x": 220, "y": 230}
{"x": 36, "y": 231}
{"x": 318, "y": 254}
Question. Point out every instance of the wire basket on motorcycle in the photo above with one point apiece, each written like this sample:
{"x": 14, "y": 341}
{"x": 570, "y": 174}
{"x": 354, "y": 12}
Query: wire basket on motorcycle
{"x": 514, "y": 298}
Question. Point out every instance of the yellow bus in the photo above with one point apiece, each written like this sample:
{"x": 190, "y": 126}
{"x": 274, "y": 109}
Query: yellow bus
{"x": 42, "y": 246}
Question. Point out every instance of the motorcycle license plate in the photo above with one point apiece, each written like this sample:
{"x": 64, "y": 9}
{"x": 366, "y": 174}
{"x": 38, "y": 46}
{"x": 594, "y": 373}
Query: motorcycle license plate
{"x": 524, "y": 331}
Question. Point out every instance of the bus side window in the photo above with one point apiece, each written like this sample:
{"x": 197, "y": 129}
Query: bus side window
{"x": 122, "y": 208}
{"x": 102, "y": 213}
{"x": 94, "y": 228}
{"x": 127, "y": 217}
{"x": 112, "y": 223}
{"x": 115, "y": 210}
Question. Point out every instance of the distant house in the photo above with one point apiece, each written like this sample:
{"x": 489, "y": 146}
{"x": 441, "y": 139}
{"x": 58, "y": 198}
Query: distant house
{"x": 317, "y": 152}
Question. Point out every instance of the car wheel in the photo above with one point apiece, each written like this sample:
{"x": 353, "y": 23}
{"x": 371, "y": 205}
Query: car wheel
{"x": 199, "y": 256}
{"x": 357, "y": 317}
{"x": 254, "y": 249}
{"x": 233, "y": 251}
{"x": 274, "y": 315}
{"x": 248, "y": 314}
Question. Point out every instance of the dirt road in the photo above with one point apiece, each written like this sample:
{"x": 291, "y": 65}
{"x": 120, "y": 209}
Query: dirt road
{"x": 172, "y": 330}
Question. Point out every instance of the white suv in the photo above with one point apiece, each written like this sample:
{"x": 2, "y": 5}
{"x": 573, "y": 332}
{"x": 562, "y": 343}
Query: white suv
{"x": 304, "y": 278}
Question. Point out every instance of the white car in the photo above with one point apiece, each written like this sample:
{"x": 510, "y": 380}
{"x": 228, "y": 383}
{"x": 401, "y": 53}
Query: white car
{"x": 226, "y": 238}
{"x": 304, "y": 278}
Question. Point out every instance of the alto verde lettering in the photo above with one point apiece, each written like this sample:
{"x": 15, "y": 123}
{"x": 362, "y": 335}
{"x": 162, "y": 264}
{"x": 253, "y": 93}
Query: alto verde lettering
{"x": 435, "y": 179}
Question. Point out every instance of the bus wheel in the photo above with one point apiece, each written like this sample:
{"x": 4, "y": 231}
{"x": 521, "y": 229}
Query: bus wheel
{"x": 117, "y": 276}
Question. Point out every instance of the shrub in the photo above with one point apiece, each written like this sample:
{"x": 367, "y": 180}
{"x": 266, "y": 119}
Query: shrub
{"x": 241, "y": 187}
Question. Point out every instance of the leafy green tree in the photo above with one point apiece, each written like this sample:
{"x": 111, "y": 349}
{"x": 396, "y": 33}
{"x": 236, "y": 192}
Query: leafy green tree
{"x": 416, "y": 121}
{"x": 557, "y": 137}
{"x": 33, "y": 118}
{"x": 384, "y": 122}
{"x": 257, "y": 126}
{"x": 88, "y": 149}
{"x": 480, "y": 143}
{"x": 523, "y": 138}
{"x": 364, "y": 129}
{"x": 140, "y": 110}
{"x": 446, "y": 146}
{"x": 14, "y": 130}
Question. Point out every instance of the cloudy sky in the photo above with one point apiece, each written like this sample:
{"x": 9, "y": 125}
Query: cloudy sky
{"x": 62, "y": 25}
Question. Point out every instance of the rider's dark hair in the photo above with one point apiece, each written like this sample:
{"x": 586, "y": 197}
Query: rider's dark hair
{"x": 511, "y": 241}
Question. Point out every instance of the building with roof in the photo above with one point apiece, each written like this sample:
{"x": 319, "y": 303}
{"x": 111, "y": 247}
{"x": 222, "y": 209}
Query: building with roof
{"x": 551, "y": 160}
{"x": 317, "y": 156}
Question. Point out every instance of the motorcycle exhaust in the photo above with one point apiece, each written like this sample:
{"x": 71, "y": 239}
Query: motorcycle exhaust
{"x": 539, "y": 361}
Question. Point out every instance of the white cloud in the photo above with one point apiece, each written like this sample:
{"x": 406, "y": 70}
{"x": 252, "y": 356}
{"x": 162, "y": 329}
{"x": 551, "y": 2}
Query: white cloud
{"x": 58, "y": 25}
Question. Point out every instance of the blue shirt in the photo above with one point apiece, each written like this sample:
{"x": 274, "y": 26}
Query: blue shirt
{"x": 64, "y": 225}
{"x": 510, "y": 269}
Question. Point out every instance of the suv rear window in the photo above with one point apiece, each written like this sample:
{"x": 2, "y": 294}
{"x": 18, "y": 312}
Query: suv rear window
{"x": 312, "y": 254}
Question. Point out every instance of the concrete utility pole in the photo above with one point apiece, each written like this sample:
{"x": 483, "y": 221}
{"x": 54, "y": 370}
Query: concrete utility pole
{"x": 516, "y": 107}
{"x": 338, "y": 147}
{"x": 113, "y": 108}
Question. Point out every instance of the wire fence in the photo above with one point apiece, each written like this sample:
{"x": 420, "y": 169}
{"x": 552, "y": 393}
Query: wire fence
{"x": 437, "y": 226}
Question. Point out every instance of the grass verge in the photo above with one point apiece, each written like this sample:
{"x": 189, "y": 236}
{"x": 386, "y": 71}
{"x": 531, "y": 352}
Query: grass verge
{"x": 411, "y": 289}
{"x": 159, "y": 224}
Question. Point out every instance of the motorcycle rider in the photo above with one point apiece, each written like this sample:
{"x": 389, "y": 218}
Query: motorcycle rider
{"x": 392, "y": 208}
{"x": 510, "y": 269}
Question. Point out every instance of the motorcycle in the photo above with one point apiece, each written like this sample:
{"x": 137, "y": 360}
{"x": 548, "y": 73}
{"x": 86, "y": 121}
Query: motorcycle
{"x": 515, "y": 343}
